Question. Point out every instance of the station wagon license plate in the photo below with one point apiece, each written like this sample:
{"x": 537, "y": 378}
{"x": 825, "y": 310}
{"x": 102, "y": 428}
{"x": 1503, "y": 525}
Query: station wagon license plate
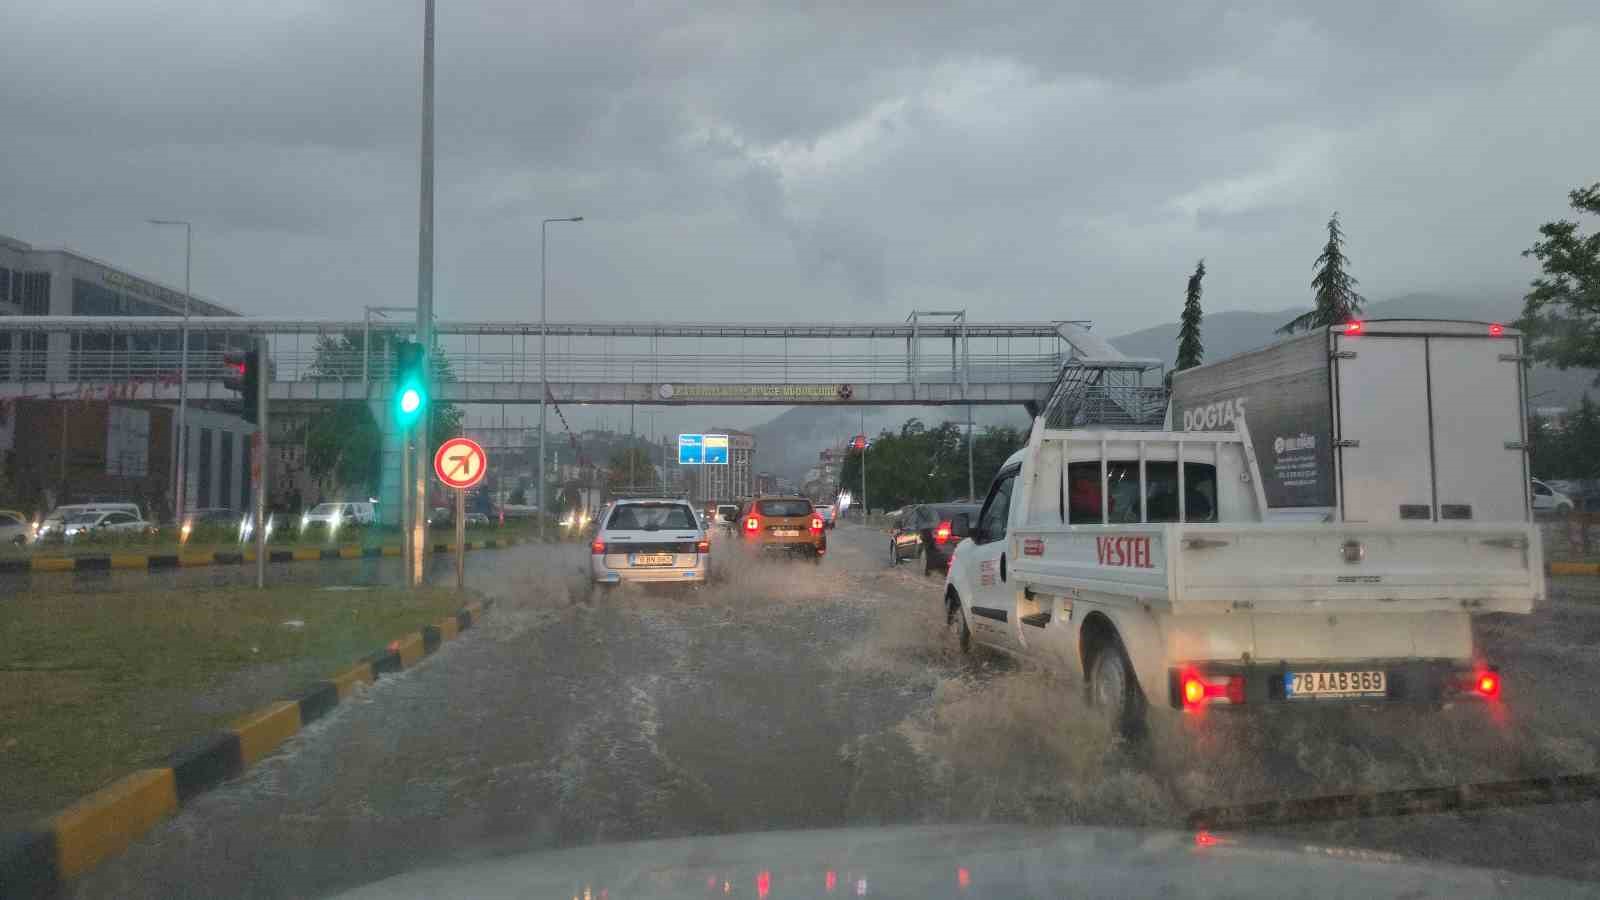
{"x": 652, "y": 559}
{"x": 1311, "y": 685}
{"x": 786, "y": 532}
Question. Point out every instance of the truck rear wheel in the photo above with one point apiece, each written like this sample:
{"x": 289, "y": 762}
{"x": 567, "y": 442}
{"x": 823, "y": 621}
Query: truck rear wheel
{"x": 1114, "y": 690}
{"x": 956, "y": 625}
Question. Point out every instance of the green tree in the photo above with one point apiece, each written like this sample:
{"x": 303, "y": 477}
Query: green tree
{"x": 1561, "y": 315}
{"x": 337, "y": 440}
{"x": 630, "y": 469}
{"x": 1333, "y": 287}
{"x": 344, "y": 447}
{"x": 1190, "y": 350}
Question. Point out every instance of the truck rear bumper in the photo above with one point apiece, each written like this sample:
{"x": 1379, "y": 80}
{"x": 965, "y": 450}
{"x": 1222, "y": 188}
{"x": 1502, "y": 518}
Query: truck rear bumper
{"x": 1268, "y": 685}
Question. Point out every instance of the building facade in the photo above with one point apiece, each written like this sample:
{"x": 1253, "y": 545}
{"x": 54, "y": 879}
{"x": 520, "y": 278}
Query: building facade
{"x": 36, "y": 281}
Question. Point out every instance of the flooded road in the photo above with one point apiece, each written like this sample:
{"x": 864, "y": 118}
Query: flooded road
{"x": 792, "y": 696}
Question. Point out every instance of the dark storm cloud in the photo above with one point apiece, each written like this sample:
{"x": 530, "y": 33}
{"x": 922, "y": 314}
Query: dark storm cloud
{"x": 1022, "y": 159}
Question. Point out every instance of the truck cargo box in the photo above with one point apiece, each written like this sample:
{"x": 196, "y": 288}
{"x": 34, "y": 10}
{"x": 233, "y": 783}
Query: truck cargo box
{"x": 1379, "y": 421}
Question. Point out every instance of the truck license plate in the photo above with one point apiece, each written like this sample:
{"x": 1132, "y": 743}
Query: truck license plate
{"x": 652, "y": 559}
{"x": 786, "y": 532}
{"x": 1308, "y": 685}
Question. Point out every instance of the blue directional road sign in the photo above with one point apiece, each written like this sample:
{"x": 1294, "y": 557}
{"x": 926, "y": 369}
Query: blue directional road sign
{"x": 691, "y": 449}
{"x": 716, "y": 450}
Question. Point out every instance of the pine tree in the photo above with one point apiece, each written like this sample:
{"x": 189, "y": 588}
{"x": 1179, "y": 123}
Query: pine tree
{"x": 1335, "y": 288}
{"x": 1190, "y": 350}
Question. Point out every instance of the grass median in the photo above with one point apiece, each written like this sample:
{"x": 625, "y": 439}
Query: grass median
{"x": 93, "y": 686}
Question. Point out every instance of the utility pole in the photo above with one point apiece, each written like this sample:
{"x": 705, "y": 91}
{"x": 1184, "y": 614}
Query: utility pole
{"x": 865, "y": 442}
{"x": 415, "y": 493}
{"x": 263, "y": 378}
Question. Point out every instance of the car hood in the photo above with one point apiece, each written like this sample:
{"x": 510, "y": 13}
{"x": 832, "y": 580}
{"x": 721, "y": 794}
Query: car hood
{"x": 961, "y": 861}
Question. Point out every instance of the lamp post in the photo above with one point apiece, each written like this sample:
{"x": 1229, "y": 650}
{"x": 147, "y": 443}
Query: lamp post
{"x": 544, "y": 383}
{"x": 180, "y": 499}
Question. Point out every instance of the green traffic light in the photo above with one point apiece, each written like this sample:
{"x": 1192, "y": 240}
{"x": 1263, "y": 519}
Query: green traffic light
{"x": 409, "y": 403}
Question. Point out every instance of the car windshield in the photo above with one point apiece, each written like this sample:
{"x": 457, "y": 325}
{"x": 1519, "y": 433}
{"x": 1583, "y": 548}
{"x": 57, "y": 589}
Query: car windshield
{"x": 651, "y": 517}
{"x": 933, "y": 425}
{"x": 784, "y": 507}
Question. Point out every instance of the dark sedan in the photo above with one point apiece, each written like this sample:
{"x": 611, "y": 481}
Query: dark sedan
{"x": 924, "y": 531}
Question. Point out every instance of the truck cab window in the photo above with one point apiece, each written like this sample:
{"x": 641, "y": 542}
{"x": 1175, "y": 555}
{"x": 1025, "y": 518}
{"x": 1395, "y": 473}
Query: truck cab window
{"x": 1122, "y": 486}
{"x": 997, "y": 509}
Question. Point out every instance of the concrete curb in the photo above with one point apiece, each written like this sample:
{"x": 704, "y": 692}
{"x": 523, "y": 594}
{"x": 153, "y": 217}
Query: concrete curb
{"x": 160, "y": 561}
{"x": 41, "y": 861}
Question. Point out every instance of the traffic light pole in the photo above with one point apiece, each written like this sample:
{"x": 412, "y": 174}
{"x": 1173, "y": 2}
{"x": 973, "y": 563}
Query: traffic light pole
{"x": 415, "y": 492}
{"x": 264, "y": 369}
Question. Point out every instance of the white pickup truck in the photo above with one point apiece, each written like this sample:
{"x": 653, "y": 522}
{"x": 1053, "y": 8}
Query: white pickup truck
{"x": 1154, "y": 565}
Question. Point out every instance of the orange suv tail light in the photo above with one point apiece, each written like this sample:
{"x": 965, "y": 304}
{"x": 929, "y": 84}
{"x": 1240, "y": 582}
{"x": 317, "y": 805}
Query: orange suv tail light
{"x": 816, "y": 524}
{"x": 752, "y": 524}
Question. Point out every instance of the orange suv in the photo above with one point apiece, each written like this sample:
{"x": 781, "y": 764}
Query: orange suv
{"x": 786, "y": 524}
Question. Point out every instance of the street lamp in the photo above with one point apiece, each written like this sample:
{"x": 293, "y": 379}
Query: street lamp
{"x": 544, "y": 383}
{"x": 181, "y": 495}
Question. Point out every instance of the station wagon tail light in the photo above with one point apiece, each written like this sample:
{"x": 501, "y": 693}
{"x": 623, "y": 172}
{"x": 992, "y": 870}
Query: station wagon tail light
{"x": 752, "y": 524}
{"x": 1496, "y": 330}
{"x": 816, "y": 524}
{"x": 598, "y": 546}
{"x": 703, "y": 547}
{"x": 942, "y": 533}
{"x": 1352, "y": 327}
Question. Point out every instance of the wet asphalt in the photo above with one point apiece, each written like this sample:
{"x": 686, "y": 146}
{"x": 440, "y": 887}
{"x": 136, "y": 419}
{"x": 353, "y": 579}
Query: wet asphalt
{"x": 793, "y": 695}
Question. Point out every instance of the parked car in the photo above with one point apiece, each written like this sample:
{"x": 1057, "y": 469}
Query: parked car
{"x": 924, "y": 532}
{"x": 53, "y": 528}
{"x": 477, "y": 519}
{"x": 339, "y": 513}
{"x": 81, "y": 525}
{"x": 1547, "y": 499}
{"x": 14, "y": 527}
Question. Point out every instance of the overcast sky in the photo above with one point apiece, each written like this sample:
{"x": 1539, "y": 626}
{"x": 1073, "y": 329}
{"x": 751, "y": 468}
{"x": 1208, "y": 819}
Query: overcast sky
{"x": 1024, "y": 159}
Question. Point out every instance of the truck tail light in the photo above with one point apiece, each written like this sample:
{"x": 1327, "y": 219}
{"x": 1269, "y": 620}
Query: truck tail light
{"x": 598, "y": 547}
{"x": 703, "y": 547}
{"x": 941, "y": 534}
{"x": 1196, "y": 690}
{"x": 1488, "y": 684}
{"x": 816, "y": 524}
{"x": 752, "y": 524}
{"x": 1496, "y": 330}
{"x": 1352, "y": 327}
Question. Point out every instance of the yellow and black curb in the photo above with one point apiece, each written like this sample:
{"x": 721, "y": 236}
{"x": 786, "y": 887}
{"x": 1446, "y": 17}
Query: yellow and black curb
{"x": 1573, "y": 568}
{"x": 40, "y": 861}
{"x": 153, "y": 562}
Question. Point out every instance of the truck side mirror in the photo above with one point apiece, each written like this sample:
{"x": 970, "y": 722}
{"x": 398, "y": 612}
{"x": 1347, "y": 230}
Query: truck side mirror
{"x": 961, "y": 526}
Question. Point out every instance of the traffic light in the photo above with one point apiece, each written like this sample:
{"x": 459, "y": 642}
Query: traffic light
{"x": 242, "y": 373}
{"x": 411, "y": 390}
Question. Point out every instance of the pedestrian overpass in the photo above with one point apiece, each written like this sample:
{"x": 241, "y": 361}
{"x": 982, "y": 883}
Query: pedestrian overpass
{"x": 929, "y": 359}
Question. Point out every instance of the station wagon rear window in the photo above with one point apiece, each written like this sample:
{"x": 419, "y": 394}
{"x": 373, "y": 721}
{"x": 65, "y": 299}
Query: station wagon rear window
{"x": 651, "y": 517}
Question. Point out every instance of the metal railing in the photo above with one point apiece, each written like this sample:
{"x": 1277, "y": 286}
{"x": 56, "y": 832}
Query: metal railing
{"x": 494, "y": 367}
